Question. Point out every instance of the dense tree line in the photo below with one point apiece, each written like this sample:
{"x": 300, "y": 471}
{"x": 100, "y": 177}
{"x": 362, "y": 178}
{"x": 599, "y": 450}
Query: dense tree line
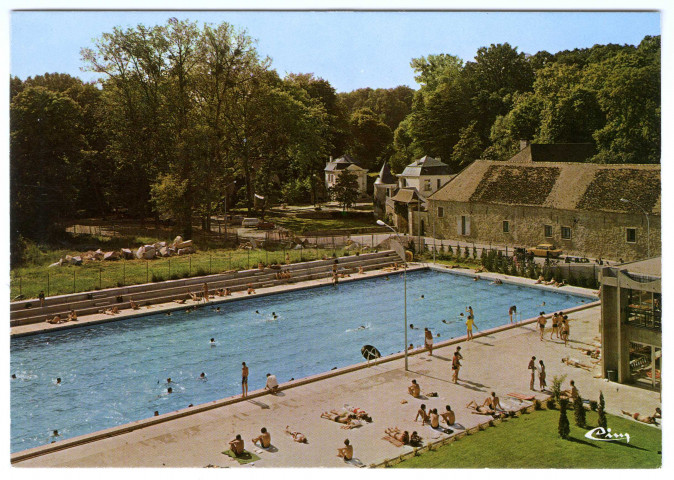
{"x": 183, "y": 111}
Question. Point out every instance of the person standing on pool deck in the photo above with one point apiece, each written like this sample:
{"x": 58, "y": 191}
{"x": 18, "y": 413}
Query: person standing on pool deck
{"x": 541, "y": 375}
{"x": 456, "y": 365}
{"x": 428, "y": 340}
{"x": 470, "y": 322}
{"x": 41, "y": 298}
{"x": 512, "y": 311}
{"x": 541, "y": 323}
{"x": 206, "y": 296}
{"x": 532, "y": 367}
{"x": 244, "y": 379}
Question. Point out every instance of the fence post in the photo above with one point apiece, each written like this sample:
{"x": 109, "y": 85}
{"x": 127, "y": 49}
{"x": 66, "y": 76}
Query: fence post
{"x": 47, "y": 283}
{"x": 20, "y": 286}
{"x": 230, "y": 261}
{"x": 147, "y": 271}
{"x": 169, "y": 263}
{"x": 210, "y": 263}
{"x": 100, "y": 274}
{"x": 73, "y": 281}
{"x": 124, "y": 273}
{"x": 190, "y": 266}
{"x": 301, "y": 251}
{"x": 266, "y": 253}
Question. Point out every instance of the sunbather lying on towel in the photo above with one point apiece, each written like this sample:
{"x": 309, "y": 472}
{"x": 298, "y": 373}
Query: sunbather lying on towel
{"x": 481, "y": 409}
{"x": 398, "y": 435}
{"x": 297, "y": 436}
{"x": 493, "y": 402}
{"x": 572, "y": 362}
{"x": 359, "y": 413}
{"x": 643, "y": 418}
{"x": 347, "y": 418}
{"x": 415, "y": 439}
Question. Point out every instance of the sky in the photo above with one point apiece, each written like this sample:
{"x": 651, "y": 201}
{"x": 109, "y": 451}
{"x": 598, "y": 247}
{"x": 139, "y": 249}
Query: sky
{"x": 349, "y": 49}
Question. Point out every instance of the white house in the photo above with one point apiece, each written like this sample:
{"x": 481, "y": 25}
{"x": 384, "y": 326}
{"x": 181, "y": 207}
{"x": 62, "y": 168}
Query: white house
{"x": 334, "y": 168}
{"x": 426, "y": 175}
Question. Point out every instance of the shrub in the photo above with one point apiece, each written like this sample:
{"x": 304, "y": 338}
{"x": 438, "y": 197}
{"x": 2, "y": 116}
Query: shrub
{"x": 593, "y": 405}
{"x": 466, "y": 252}
{"x": 537, "y": 404}
{"x": 563, "y": 427}
{"x": 557, "y": 387}
{"x": 579, "y": 411}
{"x": 601, "y": 420}
{"x": 157, "y": 277}
{"x": 474, "y": 252}
{"x": 200, "y": 272}
{"x": 550, "y": 403}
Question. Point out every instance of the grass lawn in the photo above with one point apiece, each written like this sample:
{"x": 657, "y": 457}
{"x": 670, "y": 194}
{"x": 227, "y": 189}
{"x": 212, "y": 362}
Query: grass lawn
{"x": 531, "y": 441}
{"x": 300, "y": 220}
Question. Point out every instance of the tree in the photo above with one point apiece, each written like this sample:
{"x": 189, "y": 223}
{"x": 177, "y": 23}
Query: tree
{"x": 345, "y": 190}
{"x": 46, "y": 144}
{"x": 469, "y": 147}
{"x": 563, "y": 427}
{"x": 370, "y": 137}
{"x": 579, "y": 411}
{"x": 601, "y": 413}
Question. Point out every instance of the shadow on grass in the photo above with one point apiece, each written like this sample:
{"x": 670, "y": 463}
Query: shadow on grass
{"x": 583, "y": 442}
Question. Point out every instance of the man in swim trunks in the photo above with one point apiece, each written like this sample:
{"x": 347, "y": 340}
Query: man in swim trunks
{"x": 448, "y": 415}
{"x": 493, "y": 402}
{"x": 236, "y": 445}
{"x": 434, "y": 418}
{"x": 532, "y": 367}
{"x": 512, "y": 311}
{"x": 541, "y": 323}
{"x": 347, "y": 452}
{"x": 403, "y": 437}
{"x": 244, "y": 379}
{"x": 422, "y": 413}
{"x": 456, "y": 365}
{"x": 428, "y": 340}
{"x": 644, "y": 418}
{"x": 264, "y": 439}
{"x": 414, "y": 389}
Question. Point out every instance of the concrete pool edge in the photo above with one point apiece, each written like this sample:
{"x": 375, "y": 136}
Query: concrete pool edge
{"x": 148, "y": 422}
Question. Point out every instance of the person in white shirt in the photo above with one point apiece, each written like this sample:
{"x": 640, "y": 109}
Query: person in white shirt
{"x": 272, "y": 383}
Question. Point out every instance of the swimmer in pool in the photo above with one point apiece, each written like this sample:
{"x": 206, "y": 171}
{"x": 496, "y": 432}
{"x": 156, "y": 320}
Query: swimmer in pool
{"x": 168, "y": 380}
{"x": 257, "y": 311}
{"x": 202, "y": 376}
{"x": 274, "y": 316}
{"x": 13, "y": 375}
{"x": 58, "y": 381}
{"x": 412, "y": 327}
{"x": 169, "y": 390}
{"x": 55, "y": 433}
{"x": 212, "y": 342}
{"x": 422, "y": 296}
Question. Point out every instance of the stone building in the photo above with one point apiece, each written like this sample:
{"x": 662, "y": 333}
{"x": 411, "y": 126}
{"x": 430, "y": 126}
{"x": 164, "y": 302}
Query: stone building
{"x": 334, "y": 168}
{"x": 631, "y": 328}
{"x": 385, "y": 185}
{"x": 586, "y": 209}
{"x": 426, "y": 175}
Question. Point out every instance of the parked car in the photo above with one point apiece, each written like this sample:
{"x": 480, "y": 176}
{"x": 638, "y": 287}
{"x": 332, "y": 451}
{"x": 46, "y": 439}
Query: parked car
{"x": 545, "y": 250}
{"x": 250, "y": 222}
{"x": 265, "y": 226}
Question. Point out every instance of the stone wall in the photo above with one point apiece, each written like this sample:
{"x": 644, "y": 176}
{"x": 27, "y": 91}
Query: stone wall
{"x": 593, "y": 234}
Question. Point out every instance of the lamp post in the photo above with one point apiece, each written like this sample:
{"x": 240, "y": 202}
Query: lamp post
{"x": 648, "y": 225}
{"x": 226, "y": 194}
{"x": 381, "y": 223}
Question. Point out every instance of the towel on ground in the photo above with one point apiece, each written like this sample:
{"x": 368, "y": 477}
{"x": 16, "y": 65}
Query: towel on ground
{"x": 244, "y": 458}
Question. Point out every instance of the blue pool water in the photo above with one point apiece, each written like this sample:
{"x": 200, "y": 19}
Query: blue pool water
{"x": 116, "y": 373}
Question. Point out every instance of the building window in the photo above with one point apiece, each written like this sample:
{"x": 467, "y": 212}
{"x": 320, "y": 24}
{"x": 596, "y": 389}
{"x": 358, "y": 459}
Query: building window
{"x": 548, "y": 231}
{"x": 427, "y": 185}
{"x": 438, "y": 184}
{"x": 403, "y": 183}
{"x": 631, "y": 235}
{"x": 566, "y": 233}
{"x": 441, "y": 212}
{"x": 463, "y": 225}
{"x": 506, "y": 226}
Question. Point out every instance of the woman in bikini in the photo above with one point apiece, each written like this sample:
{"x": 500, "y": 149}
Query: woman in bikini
{"x": 403, "y": 437}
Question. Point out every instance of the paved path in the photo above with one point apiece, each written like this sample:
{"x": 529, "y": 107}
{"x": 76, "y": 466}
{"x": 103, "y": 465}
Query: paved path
{"x": 496, "y": 362}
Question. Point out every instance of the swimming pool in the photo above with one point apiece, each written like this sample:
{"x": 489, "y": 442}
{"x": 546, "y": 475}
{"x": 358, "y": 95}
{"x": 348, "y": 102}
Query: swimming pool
{"x": 116, "y": 373}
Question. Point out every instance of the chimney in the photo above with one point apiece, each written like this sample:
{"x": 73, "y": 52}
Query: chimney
{"x": 523, "y": 144}
{"x": 331, "y": 158}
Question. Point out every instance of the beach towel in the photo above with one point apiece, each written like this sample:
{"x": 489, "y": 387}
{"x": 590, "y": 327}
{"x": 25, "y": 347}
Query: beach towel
{"x": 244, "y": 458}
{"x": 392, "y": 440}
{"x": 446, "y": 431}
{"x": 355, "y": 462}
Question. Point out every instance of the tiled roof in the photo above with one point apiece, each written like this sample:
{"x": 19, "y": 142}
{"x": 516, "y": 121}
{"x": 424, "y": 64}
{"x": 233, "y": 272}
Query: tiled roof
{"x": 426, "y": 166}
{"x": 385, "y": 176}
{"x": 565, "y": 186}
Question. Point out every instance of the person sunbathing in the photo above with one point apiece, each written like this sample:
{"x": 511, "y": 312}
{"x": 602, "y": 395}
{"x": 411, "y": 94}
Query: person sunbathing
{"x": 72, "y": 316}
{"x": 57, "y": 319}
{"x": 360, "y": 413}
{"x": 236, "y": 445}
{"x": 448, "y": 416}
{"x": 643, "y": 418}
{"x": 415, "y": 439}
{"x": 347, "y": 452}
{"x": 480, "y": 409}
{"x": 228, "y": 292}
{"x": 540, "y": 280}
{"x": 133, "y": 304}
{"x": 434, "y": 418}
{"x": 250, "y": 290}
{"x": 348, "y": 419}
{"x": 360, "y": 270}
{"x": 572, "y": 362}
{"x": 181, "y": 301}
{"x": 551, "y": 282}
{"x": 571, "y": 393}
{"x": 395, "y": 432}
{"x": 264, "y": 439}
{"x": 414, "y": 389}
{"x": 112, "y": 311}
{"x": 423, "y": 414}
{"x": 194, "y": 297}
{"x": 493, "y": 402}
{"x": 297, "y": 436}
{"x": 560, "y": 284}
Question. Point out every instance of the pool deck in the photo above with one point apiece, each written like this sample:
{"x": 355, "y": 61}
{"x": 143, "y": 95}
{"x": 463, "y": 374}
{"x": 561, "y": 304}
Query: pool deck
{"x": 495, "y": 360}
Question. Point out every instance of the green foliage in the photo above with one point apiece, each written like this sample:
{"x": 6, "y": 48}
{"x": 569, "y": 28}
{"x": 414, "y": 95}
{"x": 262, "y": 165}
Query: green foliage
{"x": 601, "y": 412}
{"x": 345, "y": 190}
{"x": 563, "y": 427}
{"x": 556, "y": 387}
{"x": 579, "y": 411}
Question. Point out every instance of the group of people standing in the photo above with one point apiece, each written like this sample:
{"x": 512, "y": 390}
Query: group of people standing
{"x": 560, "y": 326}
